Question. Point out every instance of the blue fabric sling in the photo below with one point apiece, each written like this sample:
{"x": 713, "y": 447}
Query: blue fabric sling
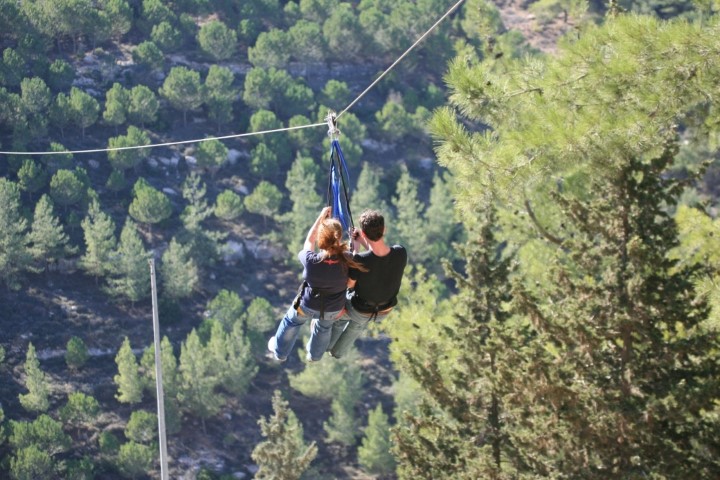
{"x": 337, "y": 195}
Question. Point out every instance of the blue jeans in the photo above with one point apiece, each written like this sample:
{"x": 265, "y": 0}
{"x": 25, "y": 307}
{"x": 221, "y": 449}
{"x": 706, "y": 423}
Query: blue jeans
{"x": 348, "y": 328}
{"x": 289, "y": 329}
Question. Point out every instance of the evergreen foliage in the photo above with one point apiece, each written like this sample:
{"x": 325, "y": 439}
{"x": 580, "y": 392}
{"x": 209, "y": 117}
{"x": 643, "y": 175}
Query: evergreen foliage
{"x": 130, "y": 157}
{"x": 15, "y": 254}
{"x": 228, "y": 205}
{"x": 264, "y": 200}
{"x": 38, "y": 385}
{"x": 342, "y": 425}
{"x": 31, "y": 176}
{"x": 142, "y": 427}
{"x": 301, "y": 183}
{"x": 84, "y": 108}
{"x": 203, "y": 243}
{"x": 259, "y": 320}
{"x": 148, "y": 54}
{"x": 31, "y": 463}
{"x": 462, "y": 399}
{"x": 117, "y": 99}
{"x": 130, "y": 276}
{"x": 128, "y": 378}
{"x": 79, "y": 410}
{"x": 369, "y": 193}
{"x": 374, "y": 453}
{"x": 607, "y": 367}
{"x": 43, "y": 432}
{"x": 220, "y": 94}
{"x": 76, "y": 353}
{"x": 168, "y": 361}
{"x": 178, "y": 270}
{"x": 283, "y": 455}
{"x": 589, "y": 386}
{"x": 149, "y": 205}
{"x": 197, "y": 380}
{"x": 66, "y": 188}
{"x": 143, "y": 106}
{"x": 183, "y": 89}
{"x": 134, "y": 460}
{"x": 49, "y": 241}
{"x": 226, "y": 308}
{"x": 325, "y": 379}
{"x": 217, "y": 40}
{"x": 408, "y": 222}
{"x": 100, "y": 242}
{"x": 697, "y": 233}
{"x": 211, "y": 154}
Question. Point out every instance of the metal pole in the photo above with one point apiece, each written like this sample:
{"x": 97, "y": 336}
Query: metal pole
{"x": 158, "y": 377}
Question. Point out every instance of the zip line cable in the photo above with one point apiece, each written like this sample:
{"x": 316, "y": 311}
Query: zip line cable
{"x": 387, "y": 70}
{"x": 263, "y": 132}
{"x": 166, "y": 144}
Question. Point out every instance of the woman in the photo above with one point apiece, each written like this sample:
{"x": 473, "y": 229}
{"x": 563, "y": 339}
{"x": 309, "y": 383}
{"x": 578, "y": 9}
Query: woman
{"x": 322, "y": 295}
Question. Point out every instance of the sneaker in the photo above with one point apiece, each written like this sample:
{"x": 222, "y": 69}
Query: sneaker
{"x": 272, "y": 348}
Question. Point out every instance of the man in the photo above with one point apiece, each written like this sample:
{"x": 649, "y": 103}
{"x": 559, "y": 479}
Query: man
{"x": 372, "y": 294}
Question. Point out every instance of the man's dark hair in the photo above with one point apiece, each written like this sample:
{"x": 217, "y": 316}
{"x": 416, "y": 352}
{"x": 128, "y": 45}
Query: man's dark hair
{"x": 372, "y": 224}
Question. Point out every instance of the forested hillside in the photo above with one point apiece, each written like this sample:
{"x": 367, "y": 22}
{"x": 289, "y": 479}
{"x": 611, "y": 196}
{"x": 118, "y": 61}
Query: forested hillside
{"x": 551, "y": 167}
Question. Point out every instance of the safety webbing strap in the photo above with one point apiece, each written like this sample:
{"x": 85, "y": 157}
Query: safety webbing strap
{"x": 338, "y": 197}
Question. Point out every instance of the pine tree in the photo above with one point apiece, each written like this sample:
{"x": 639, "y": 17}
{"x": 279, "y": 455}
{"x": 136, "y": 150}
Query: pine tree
{"x": 203, "y": 243}
{"x": 259, "y": 320}
{"x": 149, "y": 205}
{"x": 324, "y": 379}
{"x": 43, "y": 432}
{"x": 220, "y": 94}
{"x": 241, "y": 365}
{"x": 37, "y": 399}
{"x": 142, "y": 427}
{"x": 441, "y": 227}
{"x": 341, "y": 427}
{"x": 135, "y": 460}
{"x": 31, "y": 176}
{"x": 211, "y": 154}
{"x": 100, "y": 241}
{"x": 79, "y": 410}
{"x": 264, "y": 200}
{"x": 121, "y": 160}
{"x": 197, "y": 384}
{"x": 226, "y": 308}
{"x": 697, "y": 232}
{"x": 14, "y": 242}
{"x": 2, "y": 426}
{"x": 50, "y": 243}
{"x": 30, "y": 463}
{"x": 128, "y": 379}
{"x": 374, "y": 453}
{"x": 131, "y": 273}
{"x": 116, "y": 105}
{"x": 301, "y": 182}
{"x": 370, "y": 194}
{"x": 168, "y": 361}
{"x": 229, "y": 205}
{"x": 283, "y": 455}
{"x": 179, "y": 272}
{"x": 76, "y": 353}
{"x": 461, "y": 404}
{"x": 408, "y": 225}
{"x": 590, "y": 387}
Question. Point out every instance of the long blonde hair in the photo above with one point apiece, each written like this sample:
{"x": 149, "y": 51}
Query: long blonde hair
{"x": 329, "y": 240}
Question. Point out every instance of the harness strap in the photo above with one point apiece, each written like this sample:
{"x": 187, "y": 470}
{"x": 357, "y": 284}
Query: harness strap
{"x": 338, "y": 196}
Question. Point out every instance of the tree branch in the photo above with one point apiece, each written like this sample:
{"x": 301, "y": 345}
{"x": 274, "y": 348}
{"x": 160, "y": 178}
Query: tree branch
{"x": 541, "y": 229}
